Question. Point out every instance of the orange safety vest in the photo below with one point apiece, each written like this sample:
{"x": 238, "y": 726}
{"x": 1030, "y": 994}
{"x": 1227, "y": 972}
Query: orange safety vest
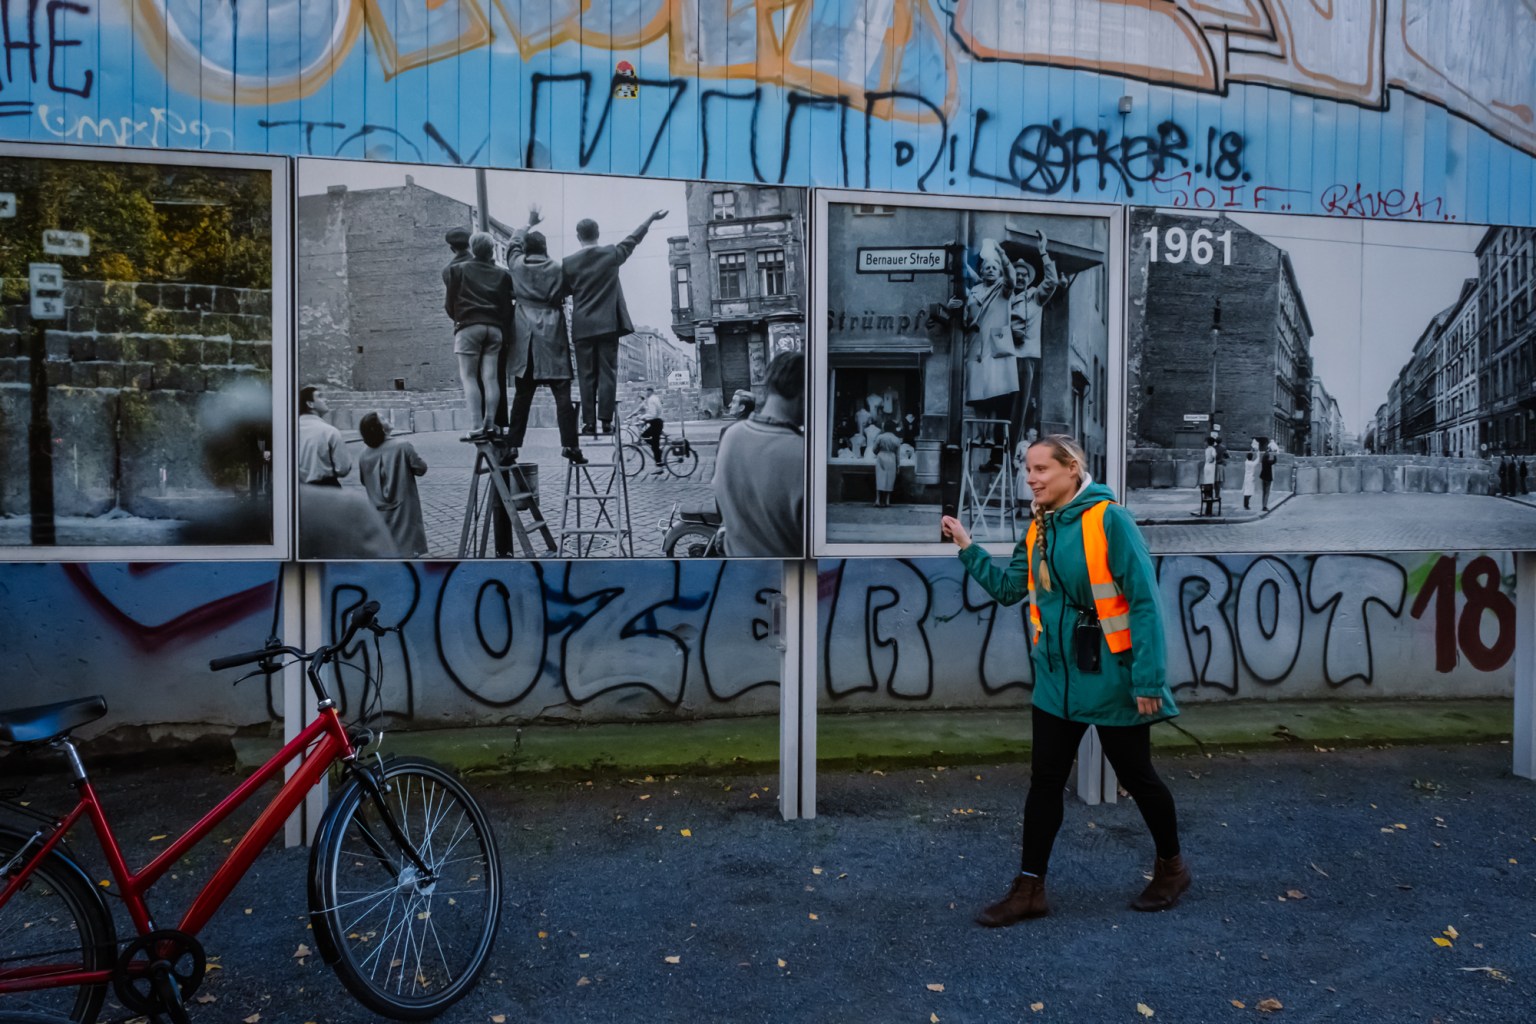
{"x": 1113, "y": 609}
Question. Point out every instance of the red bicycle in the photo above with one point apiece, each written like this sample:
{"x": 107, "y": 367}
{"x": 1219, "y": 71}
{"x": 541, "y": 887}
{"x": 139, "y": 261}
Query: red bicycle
{"x": 404, "y": 876}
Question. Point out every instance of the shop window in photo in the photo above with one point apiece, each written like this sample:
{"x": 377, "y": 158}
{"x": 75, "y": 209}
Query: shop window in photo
{"x": 868, "y": 401}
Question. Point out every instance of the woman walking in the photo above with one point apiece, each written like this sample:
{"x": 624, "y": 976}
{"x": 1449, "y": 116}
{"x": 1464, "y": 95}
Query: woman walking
{"x": 1096, "y": 641}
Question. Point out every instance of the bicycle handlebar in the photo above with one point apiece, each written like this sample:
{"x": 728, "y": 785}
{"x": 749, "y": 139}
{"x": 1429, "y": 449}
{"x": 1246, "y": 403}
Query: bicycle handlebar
{"x": 249, "y": 657}
{"x": 363, "y": 618}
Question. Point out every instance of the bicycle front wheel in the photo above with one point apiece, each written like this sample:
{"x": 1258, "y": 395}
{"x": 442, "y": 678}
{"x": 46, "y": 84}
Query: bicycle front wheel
{"x": 407, "y": 943}
{"x": 635, "y": 459}
{"x": 57, "y": 922}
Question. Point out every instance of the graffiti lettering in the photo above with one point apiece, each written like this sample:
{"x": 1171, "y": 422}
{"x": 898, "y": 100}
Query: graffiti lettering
{"x": 1183, "y": 192}
{"x": 1268, "y": 602}
{"x": 1464, "y": 635}
{"x": 23, "y": 32}
{"x": 1047, "y": 159}
{"x": 1392, "y": 204}
{"x": 876, "y": 633}
{"x": 164, "y": 127}
{"x": 1207, "y": 656}
{"x": 1364, "y": 580}
{"x": 492, "y": 638}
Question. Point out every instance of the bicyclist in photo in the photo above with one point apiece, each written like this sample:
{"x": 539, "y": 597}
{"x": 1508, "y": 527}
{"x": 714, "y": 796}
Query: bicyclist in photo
{"x": 650, "y": 414}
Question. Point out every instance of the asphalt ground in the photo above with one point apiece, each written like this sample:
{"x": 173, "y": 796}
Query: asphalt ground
{"x": 1323, "y": 879}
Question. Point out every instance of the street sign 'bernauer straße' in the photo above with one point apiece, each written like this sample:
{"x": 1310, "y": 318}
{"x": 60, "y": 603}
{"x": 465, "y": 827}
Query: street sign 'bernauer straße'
{"x": 901, "y": 260}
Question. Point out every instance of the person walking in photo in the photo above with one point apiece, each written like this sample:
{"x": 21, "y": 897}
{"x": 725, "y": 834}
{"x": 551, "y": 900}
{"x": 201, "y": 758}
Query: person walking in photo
{"x": 1096, "y": 645}
{"x": 887, "y": 449}
{"x": 387, "y": 469}
{"x": 760, "y": 472}
{"x": 599, "y": 317}
{"x": 323, "y": 457}
{"x": 1271, "y": 454}
{"x": 540, "y": 355}
{"x": 479, "y": 302}
{"x": 991, "y": 369}
{"x": 1250, "y": 473}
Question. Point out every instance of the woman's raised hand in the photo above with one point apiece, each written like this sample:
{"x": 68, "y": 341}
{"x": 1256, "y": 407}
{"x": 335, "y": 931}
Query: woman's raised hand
{"x": 955, "y": 532}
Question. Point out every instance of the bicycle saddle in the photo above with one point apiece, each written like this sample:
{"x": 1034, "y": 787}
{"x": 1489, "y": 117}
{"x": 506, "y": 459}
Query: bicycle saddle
{"x": 46, "y": 722}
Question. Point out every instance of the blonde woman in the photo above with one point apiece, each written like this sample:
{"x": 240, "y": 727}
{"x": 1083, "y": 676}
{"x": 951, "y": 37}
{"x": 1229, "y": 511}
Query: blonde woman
{"x": 1096, "y": 644}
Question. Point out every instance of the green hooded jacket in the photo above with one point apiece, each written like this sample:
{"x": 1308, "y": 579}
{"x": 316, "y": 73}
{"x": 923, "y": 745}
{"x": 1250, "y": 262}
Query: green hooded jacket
{"x": 1106, "y": 697}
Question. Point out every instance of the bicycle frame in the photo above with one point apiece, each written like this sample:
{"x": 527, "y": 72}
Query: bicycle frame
{"x": 322, "y": 743}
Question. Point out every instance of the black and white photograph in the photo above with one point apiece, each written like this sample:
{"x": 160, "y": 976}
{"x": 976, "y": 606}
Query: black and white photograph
{"x": 952, "y": 334}
{"x": 517, "y": 364}
{"x": 144, "y": 355}
{"x": 1305, "y": 384}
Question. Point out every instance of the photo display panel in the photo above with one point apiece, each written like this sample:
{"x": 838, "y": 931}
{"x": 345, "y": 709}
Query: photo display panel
{"x": 145, "y": 344}
{"x": 529, "y": 365}
{"x": 950, "y": 333}
{"x": 1311, "y": 384}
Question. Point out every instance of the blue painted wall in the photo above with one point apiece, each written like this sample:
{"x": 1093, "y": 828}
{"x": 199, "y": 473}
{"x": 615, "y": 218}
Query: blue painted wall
{"x": 1417, "y": 109}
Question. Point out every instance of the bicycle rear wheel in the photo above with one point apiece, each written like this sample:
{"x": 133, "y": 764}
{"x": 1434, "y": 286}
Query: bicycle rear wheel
{"x": 55, "y": 919}
{"x": 407, "y": 944}
{"x": 681, "y": 460}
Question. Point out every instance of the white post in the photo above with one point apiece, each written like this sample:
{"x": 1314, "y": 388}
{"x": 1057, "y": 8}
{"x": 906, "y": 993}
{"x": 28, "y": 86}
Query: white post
{"x": 1096, "y": 782}
{"x": 303, "y": 624}
{"x": 1525, "y": 664}
{"x": 797, "y": 693}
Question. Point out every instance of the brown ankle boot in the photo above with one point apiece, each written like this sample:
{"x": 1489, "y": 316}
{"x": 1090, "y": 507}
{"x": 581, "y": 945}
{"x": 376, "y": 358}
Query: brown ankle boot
{"x": 1170, "y": 878}
{"x": 1025, "y": 899}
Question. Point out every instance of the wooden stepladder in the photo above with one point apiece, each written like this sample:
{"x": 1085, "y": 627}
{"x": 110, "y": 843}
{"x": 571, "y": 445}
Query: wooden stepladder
{"x": 512, "y": 491}
{"x": 595, "y": 519}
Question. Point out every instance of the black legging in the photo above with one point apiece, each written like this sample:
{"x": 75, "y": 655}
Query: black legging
{"x": 1054, "y": 748}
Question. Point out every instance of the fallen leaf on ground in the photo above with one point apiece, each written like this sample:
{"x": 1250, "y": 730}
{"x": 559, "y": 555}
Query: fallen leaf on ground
{"x": 1401, "y": 826}
{"x": 1442, "y": 942}
{"x": 935, "y": 988}
{"x": 673, "y": 959}
{"x": 1296, "y": 894}
{"x": 1451, "y": 932}
{"x": 498, "y": 1018}
{"x": 933, "y": 1018}
{"x": 302, "y": 952}
{"x": 252, "y": 1019}
{"x": 1037, "y": 1007}
{"x": 205, "y": 998}
{"x": 543, "y": 935}
{"x": 686, "y": 833}
{"x": 1319, "y": 870}
{"x": 1144, "y": 1009}
{"x": 1270, "y": 1005}
{"x": 782, "y": 963}
{"x": 814, "y": 917}
{"x": 1239, "y": 1004}
{"x": 815, "y": 871}
{"x": 156, "y": 839}
{"x": 583, "y": 980}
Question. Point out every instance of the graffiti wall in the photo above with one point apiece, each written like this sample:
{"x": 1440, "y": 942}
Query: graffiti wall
{"x": 1417, "y": 109}
{"x": 485, "y": 643}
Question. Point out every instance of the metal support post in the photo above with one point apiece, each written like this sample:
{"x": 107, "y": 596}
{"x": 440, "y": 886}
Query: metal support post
{"x": 797, "y": 692}
{"x": 303, "y": 624}
{"x": 1525, "y": 664}
{"x": 1096, "y": 782}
